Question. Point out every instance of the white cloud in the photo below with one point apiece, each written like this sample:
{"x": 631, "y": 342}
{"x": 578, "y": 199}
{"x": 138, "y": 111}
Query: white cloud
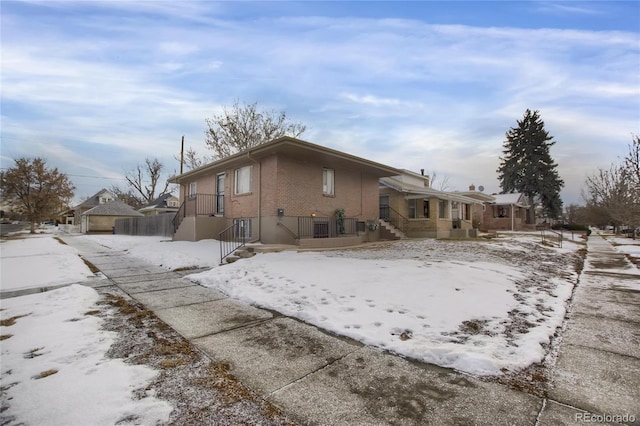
{"x": 404, "y": 92}
{"x": 178, "y": 49}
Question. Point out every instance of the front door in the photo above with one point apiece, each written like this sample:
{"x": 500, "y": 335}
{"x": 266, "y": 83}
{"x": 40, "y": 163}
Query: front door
{"x": 384, "y": 207}
{"x": 220, "y": 194}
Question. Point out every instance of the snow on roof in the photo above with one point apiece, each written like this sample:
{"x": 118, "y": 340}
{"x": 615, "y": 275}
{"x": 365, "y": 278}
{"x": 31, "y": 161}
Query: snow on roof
{"x": 415, "y": 191}
{"x": 508, "y": 199}
{"x": 94, "y": 200}
{"x": 159, "y": 202}
{"x": 113, "y": 208}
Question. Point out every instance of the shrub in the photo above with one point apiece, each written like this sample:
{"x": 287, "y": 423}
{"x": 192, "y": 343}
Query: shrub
{"x": 572, "y": 227}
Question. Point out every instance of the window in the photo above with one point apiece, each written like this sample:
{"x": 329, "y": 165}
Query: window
{"x": 500, "y": 211}
{"x": 442, "y": 209}
{"x": 192, "y": 189}
{"x": 243, "y": 180}
{"x": 220, "y": 193}
{"x": 173, "y": 203}
{"x": 412, "y": 209}
{"x": 328, "y": 181}
{"x": 467, "y": 211}
{"x": 425, "y": 207}
{"x": 384, "y": 207}
{"x": 242, "y": 228}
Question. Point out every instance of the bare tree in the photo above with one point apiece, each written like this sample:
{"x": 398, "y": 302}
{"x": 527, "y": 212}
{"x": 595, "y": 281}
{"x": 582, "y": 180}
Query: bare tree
{"x": 440, "y": 183}
{"x": 144, "y": 184}
{"x": 192, "y": 160}
{"x": 614, "y": 193}
{"x": 243, "y": 126}
{"x": 632, "y": 164}
{"x": 38, "y": 192}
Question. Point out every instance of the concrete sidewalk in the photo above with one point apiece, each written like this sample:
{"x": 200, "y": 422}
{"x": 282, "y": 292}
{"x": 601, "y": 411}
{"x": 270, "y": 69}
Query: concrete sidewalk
{"x": 319, "y": 378}
{"x": 598, "y": 367}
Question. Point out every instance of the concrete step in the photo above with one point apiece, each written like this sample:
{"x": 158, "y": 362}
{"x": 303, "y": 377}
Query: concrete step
{"x": 392, "y": 229}
{"x": 244, "y": 254}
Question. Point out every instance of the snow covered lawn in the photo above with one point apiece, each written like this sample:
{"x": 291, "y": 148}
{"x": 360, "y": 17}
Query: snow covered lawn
{"x": 39, "y": 261}
{"x": 54, "y": 369}
{"x": 480, "y": 307}
{"x": 162, "y": 251}
{"x": 484, "y": 307}
{"x": 628, "y": 246}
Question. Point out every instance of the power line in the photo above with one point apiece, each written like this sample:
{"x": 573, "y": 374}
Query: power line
{"x": 84, "y": 176}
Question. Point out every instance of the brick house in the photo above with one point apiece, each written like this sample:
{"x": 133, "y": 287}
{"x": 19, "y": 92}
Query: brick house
{"x": 409, "y": 204}
{"x": 286, "y": 191}
{"x": 507, "y": 212}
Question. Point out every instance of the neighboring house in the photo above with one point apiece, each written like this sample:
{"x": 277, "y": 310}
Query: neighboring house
{"x": 478, "y": 212}
{"x": 73, "y": 216}
{"x": 166, "y": 203}
{"x": 102, "y": 218}
{"x": 408, "y": 203}
{"x": 286, "y": 191}
{"x": 508, "y": 212}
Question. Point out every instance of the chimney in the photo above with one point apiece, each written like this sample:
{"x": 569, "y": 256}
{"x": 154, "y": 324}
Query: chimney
{"x": 472, "y": 187}
{"x": 422, "y": 172}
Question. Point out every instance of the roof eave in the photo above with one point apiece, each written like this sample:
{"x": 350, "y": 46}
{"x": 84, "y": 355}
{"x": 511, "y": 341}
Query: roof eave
{"x": 275, "y": 146}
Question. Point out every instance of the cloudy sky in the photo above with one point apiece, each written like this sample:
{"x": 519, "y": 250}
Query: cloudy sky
{"x": 95, "y": 87}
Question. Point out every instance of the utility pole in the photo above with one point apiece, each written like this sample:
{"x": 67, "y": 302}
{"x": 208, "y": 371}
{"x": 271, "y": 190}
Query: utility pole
{"x": 182, "y": 154}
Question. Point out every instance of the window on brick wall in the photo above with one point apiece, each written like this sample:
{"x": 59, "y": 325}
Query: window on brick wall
{"x": 243, "y": 180}
{"x": 220, "y": 193}
{"x": 412, "y": 209}
{"x": 328, "y": 181}
{"x": 443, "y": 209}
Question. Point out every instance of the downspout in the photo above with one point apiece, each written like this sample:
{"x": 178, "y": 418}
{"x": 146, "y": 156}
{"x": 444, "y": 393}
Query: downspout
{"x": 259, "y": 194}
{"x": 512, "y": 219}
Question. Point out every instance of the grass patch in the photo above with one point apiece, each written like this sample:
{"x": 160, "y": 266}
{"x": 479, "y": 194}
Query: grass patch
{"x": 185, "y": 268}
{"x": 45, "y": 373}
{"x": 221, "y": 379}
{"x": 11, "y": 321}
{"x": 534, "y": 380}
{"x": 33, "y": 353}
{"x": 171, "y": 363}
{"x": 5, "y": 336}
{"x": 60, "y": 240}
{"x": 93, "y": 268}
{"x": 93, "y": 312}
{"x": 123, "y": 306}
{"x": 579, "y": 262}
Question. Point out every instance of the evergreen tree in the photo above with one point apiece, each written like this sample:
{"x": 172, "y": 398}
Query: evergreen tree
{"x": 527, "y": 167}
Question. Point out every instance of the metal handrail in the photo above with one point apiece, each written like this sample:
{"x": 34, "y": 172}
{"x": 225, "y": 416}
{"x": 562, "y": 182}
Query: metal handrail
{"x": 389, "y": 214}
{"x": 197, "y": 205}
{"x": 544, "y": 236}
{"x": 177, "y": 219}
{"x": 232, "y": 238}
{"x": 326, "y": 227}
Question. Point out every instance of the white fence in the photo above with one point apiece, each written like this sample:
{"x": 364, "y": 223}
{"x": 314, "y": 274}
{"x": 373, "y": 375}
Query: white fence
{"x": 70, "y": 229}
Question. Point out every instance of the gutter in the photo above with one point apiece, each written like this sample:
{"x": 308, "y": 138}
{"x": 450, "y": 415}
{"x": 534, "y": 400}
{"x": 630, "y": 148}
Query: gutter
{"x": 259, "y": 193}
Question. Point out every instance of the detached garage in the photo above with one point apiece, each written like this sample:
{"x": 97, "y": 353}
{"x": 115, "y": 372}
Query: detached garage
{"x": 102, "y": 218}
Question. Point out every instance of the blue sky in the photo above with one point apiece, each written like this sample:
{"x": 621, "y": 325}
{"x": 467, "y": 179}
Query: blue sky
{"x": 96, "y": 86}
